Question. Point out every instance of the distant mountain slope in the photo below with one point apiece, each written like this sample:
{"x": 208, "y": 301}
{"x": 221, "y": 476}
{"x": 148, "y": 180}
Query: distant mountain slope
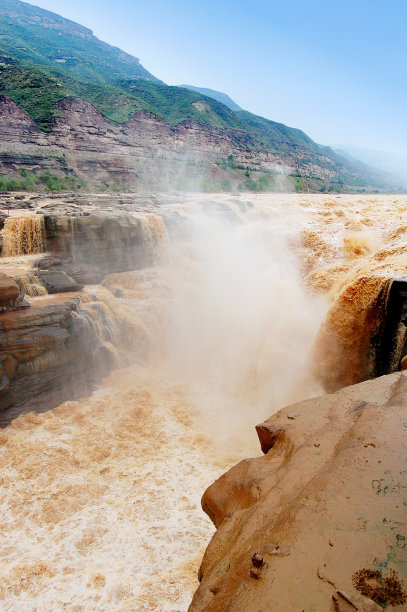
{"x": 46, "y": 59}
{"x": 31, "y": 34}
{"x": 37, "y": 90}
{"x": 216, "y": 95}
{"x": 390, "y": 162}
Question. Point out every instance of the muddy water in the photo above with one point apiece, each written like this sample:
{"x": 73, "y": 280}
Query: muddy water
{"x": 23, "y": 235}
{"x": 100, "y": 499}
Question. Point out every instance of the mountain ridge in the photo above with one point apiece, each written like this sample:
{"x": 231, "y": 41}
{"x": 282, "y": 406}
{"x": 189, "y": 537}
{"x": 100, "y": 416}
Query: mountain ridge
{"x": 39, "y": 36}
{"x": 45, "y": 59}
{"x": 216, "y": 95}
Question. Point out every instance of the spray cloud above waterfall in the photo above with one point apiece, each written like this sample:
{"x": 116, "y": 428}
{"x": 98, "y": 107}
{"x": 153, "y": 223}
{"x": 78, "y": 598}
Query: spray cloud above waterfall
{"x": 210, "y": 311}
{"x": 241, "y": 323}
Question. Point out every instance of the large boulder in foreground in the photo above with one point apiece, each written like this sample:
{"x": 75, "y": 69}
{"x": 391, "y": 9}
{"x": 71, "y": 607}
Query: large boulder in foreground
{"x": 319, "y": 523}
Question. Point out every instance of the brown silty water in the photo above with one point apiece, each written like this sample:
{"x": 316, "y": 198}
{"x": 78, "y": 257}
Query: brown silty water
{"x": 23, "y": 235}
{"x": 100, "y": 498}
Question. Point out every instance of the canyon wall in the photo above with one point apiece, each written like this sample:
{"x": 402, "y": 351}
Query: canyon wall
{"x": 51, "y": 352}
{"x": 140, "y": 153}
{"x": 55, "y": 347}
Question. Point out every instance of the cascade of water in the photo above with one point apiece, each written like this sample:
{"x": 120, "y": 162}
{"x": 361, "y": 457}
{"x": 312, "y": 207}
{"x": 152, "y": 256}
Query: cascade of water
{"x": 221, "y": 328}
{"x": 23, "y": 235}
{"x": 154, "y": 232}
{"x": 351, "y": 338}
{"x": 32, "y": 285}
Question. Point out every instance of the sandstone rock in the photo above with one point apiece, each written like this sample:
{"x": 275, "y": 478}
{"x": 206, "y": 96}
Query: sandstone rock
{"x": 81, "y": 274}
{"x": 50, "y": 353}
{"x": 316, "y": 515}
{"x": 114, "y": 242}
{"x": 48, "y": 262}
{"x": 11, "y": 294}
{"x": 10, "y": 290}
{"x": 63, "y": 208}
{"x": 58, "y": 281}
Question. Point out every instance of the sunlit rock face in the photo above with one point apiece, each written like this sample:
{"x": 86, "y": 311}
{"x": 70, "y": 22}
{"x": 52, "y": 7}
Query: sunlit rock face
{"x": 11, "y": 294}
{"x": 325, "y": 502}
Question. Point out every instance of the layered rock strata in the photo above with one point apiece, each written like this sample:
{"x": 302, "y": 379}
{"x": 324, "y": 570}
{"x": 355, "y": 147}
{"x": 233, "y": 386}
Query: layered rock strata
{"x": 319, "y": 521}
{"x": 52, "y": 352}
{"x": 93, "y": 245}
{"x": 57, "y": 348}
{"x": 139, "y": 153}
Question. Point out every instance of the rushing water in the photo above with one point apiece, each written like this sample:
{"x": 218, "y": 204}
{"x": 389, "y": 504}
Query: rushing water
{"x": 23, "y": 235}
{"x": 100, "y": 499}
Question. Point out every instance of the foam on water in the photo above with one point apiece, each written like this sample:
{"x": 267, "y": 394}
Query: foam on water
{"x": 99, "y": 501}
{"x": 106, "y": 505}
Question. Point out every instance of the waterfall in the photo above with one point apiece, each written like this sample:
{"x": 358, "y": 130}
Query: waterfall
{"x": 32, "y": 285}
{"x": 23, "y": 235}
{"x": 154, "y": 232}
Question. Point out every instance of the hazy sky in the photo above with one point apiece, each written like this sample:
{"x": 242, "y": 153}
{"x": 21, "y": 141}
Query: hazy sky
{"x": 334, "y": 68}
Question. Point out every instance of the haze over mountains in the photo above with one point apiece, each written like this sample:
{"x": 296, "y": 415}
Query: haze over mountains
{"x": 216, "y": 95}
{"x": 47, "y": 62}
{"x": 387, "y": 161}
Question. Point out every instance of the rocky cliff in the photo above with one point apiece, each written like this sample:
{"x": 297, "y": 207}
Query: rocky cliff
{"x": 93, "y": 245}
{"x": 53, "y": 348}
{"x": 141, "y": 153}
{"x": 318, "y": 522}
{"x": 51, "y": 352}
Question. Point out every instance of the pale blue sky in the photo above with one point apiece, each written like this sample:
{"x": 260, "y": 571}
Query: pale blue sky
{"x": 336, "y": 69}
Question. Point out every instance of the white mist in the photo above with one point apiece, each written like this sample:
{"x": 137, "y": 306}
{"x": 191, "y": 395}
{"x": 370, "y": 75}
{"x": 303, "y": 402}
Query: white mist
{"x": 241, "y": 323}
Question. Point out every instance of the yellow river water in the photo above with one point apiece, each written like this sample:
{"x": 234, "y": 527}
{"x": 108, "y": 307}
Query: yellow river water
{"x": 245, "y": 312}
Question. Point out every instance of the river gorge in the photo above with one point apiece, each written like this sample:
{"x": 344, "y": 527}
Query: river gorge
{"x": 146, "y": 338}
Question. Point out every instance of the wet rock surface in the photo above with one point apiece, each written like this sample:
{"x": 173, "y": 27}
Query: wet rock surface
{"x": 58, "y": 281}
{"x": 49, "y": 353}
{"x": 60, "y": 347}
{"x": 325, "y": 502}
{"x": 11, "y": 294}
{"x": 113, "y": 242}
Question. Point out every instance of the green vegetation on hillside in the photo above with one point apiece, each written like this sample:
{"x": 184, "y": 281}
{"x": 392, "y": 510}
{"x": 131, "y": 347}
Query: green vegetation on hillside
{"x": 37, "y": 91}
{"x": 45, "y": 58}
{"x": 29, "y": 181}
{"x": 34, "y": 90}
{"x": 31, "y": 34}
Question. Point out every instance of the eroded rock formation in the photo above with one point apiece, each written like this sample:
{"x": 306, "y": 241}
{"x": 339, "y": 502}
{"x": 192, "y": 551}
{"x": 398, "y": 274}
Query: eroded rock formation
{"x": 103, "y": 243}
{"x": 61, "y": 345}
{"x": 326, "y": 501}
{"x": 11, "y": 294}
{"x": 51, "y": 352}
{"x": 139, "y": 153}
